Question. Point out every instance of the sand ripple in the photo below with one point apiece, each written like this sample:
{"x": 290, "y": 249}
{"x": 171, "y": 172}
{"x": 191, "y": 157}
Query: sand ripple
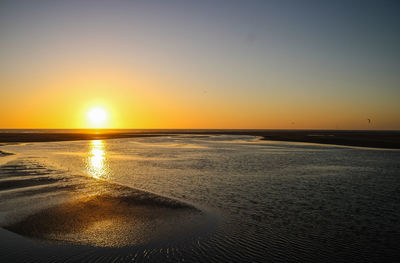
{"x": 71, "y": 208}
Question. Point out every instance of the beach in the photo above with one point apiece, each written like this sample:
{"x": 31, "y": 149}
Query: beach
{"x": 200, "y": 131}
{"x": 82, "y": 206}
{"x": 161, "y": 197}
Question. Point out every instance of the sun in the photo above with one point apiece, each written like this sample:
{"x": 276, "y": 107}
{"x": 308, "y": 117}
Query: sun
{"x": 97, "y": 117}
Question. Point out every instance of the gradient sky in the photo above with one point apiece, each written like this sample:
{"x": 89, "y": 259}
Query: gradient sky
{"x": 201, "y": 64}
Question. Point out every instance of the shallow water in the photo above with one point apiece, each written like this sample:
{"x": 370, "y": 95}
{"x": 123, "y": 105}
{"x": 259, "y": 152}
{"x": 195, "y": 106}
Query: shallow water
{"x": 273, "y": 201}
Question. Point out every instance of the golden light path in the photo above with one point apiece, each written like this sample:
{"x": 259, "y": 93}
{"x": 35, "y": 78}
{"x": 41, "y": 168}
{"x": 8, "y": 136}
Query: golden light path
{"x": 97, "y": 162}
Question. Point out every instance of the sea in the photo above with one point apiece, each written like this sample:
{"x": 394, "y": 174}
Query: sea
{"x": 262, "y": 201}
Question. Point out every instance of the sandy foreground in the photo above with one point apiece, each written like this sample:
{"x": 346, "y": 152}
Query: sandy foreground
{"x": 43, "y": 211}
{"x": 49, "y": 215}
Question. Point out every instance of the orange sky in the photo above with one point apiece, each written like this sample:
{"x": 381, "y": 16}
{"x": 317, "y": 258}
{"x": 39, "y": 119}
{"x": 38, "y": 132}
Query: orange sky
{"x": 150, "y": 66}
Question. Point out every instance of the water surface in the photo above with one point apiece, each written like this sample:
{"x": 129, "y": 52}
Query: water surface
{"x": 274, "y": 201}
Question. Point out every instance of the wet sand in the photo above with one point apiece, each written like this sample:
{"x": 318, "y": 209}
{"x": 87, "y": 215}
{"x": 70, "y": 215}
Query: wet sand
{"x": 376, "y": 139}
{"x": 82, "y": 210}
{"x": 41, "y": 204}
{"x": 2, "y": 153}
{"x": 362, "y": 138}
{"x": 105, "y": 220}
{"x": 48, "y": 215}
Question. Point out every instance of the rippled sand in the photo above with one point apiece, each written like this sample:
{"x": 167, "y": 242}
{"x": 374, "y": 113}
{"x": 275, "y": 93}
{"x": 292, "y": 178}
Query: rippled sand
{"x": 260, "y": 201}
{"x": 78, "y": 209}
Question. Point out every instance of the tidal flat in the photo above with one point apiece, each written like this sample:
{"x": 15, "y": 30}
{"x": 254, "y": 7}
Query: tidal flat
{"x": 198, "y": 197}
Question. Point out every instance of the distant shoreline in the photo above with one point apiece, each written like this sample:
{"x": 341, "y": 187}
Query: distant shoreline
{"x": 375, "y": 139}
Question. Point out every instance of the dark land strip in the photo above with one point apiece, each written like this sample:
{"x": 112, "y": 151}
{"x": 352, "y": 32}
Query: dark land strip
{"x": 361, "y": 138}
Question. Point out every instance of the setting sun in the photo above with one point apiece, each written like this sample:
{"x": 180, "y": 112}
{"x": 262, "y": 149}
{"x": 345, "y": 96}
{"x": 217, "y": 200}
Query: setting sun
{"x": 97, "y": 117}
{"x": 199, "y": 131}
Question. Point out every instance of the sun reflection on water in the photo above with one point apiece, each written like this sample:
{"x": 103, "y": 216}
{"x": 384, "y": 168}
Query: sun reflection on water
{"x": 97, "y": 166}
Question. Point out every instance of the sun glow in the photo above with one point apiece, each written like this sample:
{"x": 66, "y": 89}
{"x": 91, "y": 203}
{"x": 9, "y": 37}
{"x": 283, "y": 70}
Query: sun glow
{"x": 97, "y": 117}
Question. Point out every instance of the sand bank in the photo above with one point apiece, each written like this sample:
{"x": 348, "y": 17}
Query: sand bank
{"x": 377, "y": 139}
{"x": 43, "y": 204}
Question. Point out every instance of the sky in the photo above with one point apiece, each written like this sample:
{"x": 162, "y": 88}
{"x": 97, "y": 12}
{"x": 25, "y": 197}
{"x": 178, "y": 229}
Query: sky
{"x": 200, "y": 64}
